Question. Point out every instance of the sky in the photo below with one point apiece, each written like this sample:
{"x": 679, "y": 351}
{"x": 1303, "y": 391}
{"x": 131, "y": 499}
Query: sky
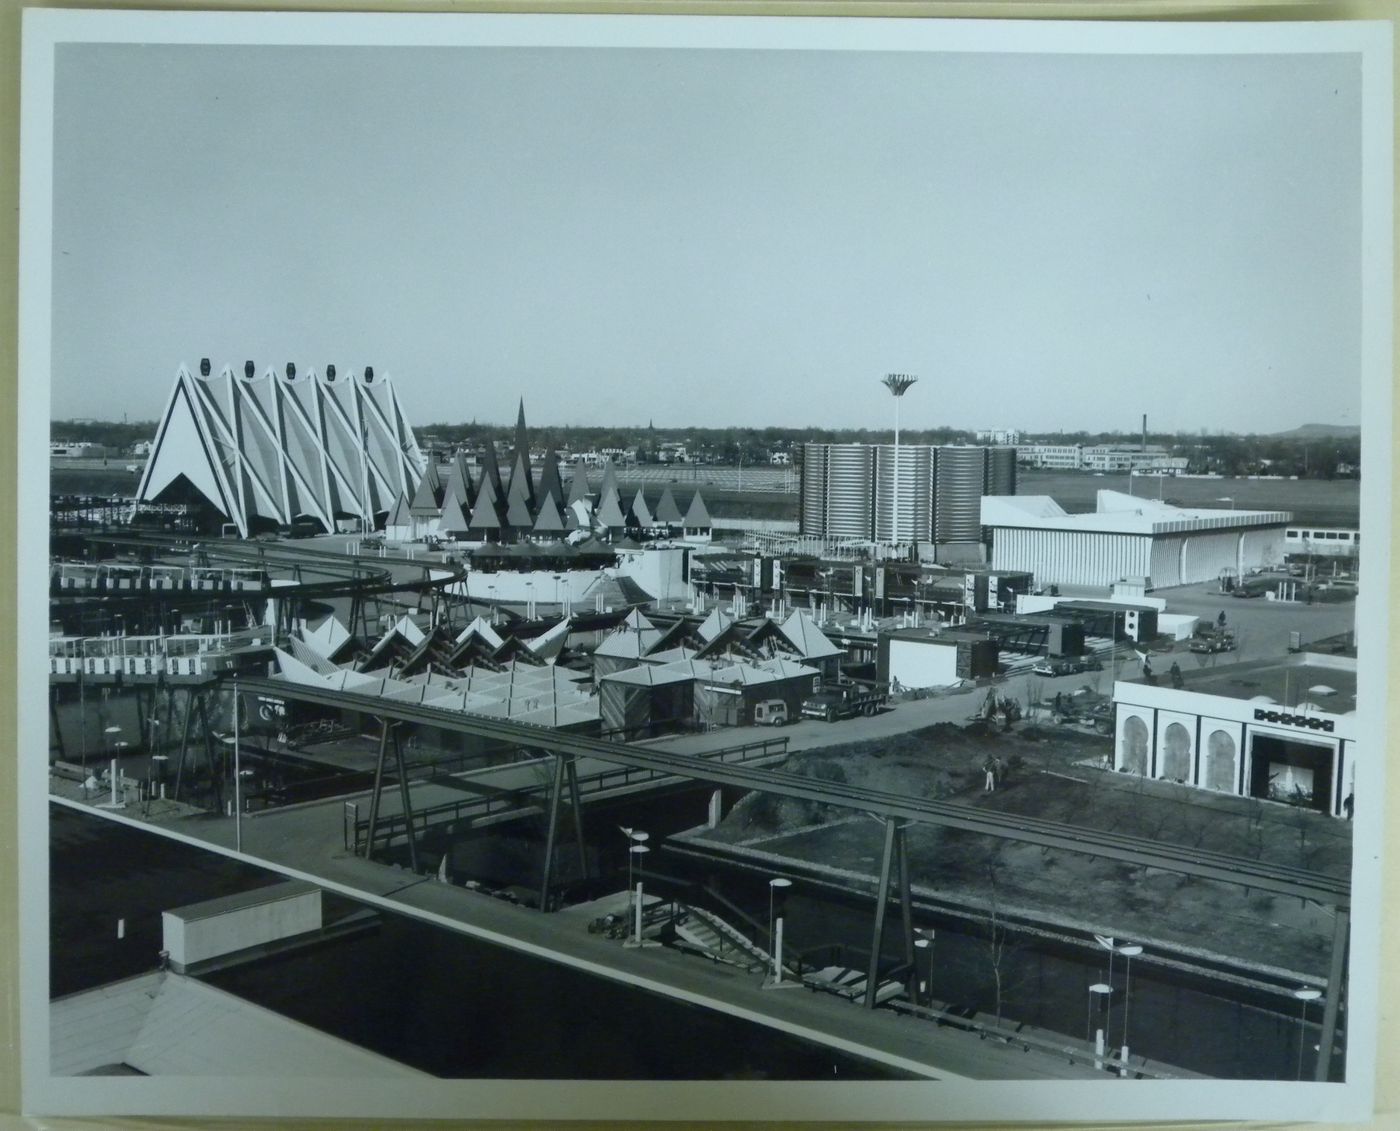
{"x": 717, "y": 238}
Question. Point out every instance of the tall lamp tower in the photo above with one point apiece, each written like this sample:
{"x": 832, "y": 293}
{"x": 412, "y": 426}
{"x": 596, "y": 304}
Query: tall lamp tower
{"x": 898, "y": 384}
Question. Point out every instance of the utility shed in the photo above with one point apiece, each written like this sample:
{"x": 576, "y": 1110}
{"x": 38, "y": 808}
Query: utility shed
{"x": 915, "y": 659}
{"x": 647, "y": 700}
{"x": 202, "y": 932}
{"x": 728, "y": 696}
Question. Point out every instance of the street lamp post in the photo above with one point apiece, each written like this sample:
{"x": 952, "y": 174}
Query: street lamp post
{"x": 1129, "y": 952}
{"x": 110, "y": 736}
{"x": 1304, "y": 994}
{"x": 639, "y": 907}
{"x": 775, "y": 935}
{"x": 1099, "y": 995}
{"x": 923, "y": 966}
{"x": 120, "y": 748}
{"x": 634, "y": 837}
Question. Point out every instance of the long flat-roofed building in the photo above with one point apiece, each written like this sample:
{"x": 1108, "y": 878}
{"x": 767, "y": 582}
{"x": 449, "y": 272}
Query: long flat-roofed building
{"x": 1128, "y": 536}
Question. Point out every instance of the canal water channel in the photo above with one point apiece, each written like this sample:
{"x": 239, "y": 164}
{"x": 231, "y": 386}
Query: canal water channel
{"x": 414, "y": 983}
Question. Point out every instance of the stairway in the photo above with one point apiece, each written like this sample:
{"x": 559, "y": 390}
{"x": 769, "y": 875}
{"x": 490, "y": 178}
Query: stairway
{"x": 706, "y": 933}
{"x": 848, "y": 983}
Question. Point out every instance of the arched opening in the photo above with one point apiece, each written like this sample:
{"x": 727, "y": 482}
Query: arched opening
{"x": 1132, "y": 755}
{"x": 1176, "y": 753}
{"x": 1220, "y": 762}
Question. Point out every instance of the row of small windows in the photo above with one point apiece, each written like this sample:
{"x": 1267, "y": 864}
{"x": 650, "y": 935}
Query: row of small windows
{"x": 1352, "y": 536}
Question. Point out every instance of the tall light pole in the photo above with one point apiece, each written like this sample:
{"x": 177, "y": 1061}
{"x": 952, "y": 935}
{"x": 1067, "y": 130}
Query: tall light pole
{"x": 775, "y": 935}
{"x": 639, "y": 851}
{"x": 923, "y": 965}
{"x": 1106, "y": 941}
{"x": 634, "y": 837}
{"x": 898, "y": 384}
{"x": 1130, "y": 952}
{"x": 1304, "y": 995}
{"x": 1099, "y": 996}
{"x": 238, "y": 776}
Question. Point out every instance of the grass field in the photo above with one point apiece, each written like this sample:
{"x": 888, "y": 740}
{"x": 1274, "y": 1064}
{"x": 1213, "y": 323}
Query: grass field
{"x": 1048, "y": 780}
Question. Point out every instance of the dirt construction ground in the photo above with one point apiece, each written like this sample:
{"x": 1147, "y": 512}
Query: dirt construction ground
{"x": 1054, "y": 773}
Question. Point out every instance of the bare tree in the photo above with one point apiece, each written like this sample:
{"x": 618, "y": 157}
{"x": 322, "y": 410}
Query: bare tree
{"x": 1002, "y": 947}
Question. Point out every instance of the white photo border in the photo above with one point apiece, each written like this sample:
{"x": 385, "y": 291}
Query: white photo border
{"x": 45, "y": 30}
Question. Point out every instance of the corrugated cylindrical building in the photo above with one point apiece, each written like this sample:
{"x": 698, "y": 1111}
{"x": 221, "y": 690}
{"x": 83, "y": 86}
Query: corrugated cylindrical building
{"x": 849, "y": 490}
{"x": 837, "y": 490}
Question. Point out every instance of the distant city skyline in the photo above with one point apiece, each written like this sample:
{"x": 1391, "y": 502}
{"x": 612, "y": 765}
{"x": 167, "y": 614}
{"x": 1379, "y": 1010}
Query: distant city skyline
{"x": 1328, "y": 431}
{"x": 718, "y": 238}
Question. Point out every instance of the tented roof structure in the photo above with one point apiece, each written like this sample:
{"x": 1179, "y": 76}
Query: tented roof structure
{"x": 697, "y": 515}
{"x": 667, "y": 513}
{"x": 278, "y": 448}
{"x": 640, "y": 513}
{"x": 578, "y": 482}
{"x": 810, "y": 641}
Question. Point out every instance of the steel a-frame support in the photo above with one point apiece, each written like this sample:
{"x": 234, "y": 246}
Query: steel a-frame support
{"x": 55, "y": 730}
{"x": 564, "y": 769}
{"x": 894, "y": 850}
{"x": 1336, "y": 980}
{"x": 378, "y": 790}
{"x": 407, "y": 804}
{"x": 389, "y": 732}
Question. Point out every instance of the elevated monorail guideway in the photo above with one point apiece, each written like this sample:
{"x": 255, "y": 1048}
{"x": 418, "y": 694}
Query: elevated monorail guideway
{"x": 1277, "y": 879}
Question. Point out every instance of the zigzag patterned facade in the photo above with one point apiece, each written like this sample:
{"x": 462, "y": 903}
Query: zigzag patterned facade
{"x": 272, "y": 450}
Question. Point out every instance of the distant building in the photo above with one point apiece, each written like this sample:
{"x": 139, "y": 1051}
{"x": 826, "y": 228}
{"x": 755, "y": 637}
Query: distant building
{"x": 1128, "y": 536}
{"x": 999, "y": 437}
{"x": 76, "y": 449}
{"x": 855, "y": 490}
{"x": 780, "y": 459}
{"x": 1057, "y": 457}
{"x": 1109, "y": 457}
{"x": 260, "y": 452}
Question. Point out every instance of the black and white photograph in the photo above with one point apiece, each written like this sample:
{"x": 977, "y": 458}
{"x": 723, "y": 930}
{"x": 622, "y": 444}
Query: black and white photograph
{"x": 715, "y": 568}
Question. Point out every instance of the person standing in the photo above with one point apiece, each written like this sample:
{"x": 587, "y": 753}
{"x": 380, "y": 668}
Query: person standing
{"x": 989, "y": 767}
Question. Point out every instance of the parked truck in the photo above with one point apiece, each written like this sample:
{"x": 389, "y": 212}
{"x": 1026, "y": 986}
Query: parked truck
{"x": 845, "y": 700}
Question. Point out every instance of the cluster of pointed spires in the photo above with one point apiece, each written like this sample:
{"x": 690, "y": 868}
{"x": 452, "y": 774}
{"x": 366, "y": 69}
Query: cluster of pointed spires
{"x": 493, "y": 507}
